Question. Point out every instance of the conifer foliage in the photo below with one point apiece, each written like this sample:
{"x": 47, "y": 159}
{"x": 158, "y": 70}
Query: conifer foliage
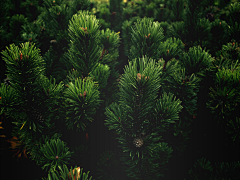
{"x": 146, "y": 39}
{"x": 66, "y": 174}
{"x": 81, "y": 99}
{"x": 139, "y": 119}
{"x": 152, "y": 106}
{"x": 84, "y": 52}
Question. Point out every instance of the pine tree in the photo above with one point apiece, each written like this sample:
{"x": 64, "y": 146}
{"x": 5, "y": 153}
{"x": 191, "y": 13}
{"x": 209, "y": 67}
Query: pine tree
{"x": 34, "y": 102}
{"x": 28, "y": 98}
{"x": 139, "y": 119}
{"x": 146, "y": 37}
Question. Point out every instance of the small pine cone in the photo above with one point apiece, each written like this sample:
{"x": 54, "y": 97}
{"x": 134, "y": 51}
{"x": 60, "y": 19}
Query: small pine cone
{"x": 210, "y": 16}
{"x": 138, "y": 142}
{"x": 7, "y": 81}
{"x": 36, "y": 115}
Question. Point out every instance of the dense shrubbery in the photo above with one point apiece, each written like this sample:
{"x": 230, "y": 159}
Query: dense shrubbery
{"x": 151, "y": 77}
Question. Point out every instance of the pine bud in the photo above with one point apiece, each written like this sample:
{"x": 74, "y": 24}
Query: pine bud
{"x": 138, "y": 142}
{"x": 56, "y": 157}
{"x": 73, "y": 172}
{"x": 20, "y": 55}
{"x": 139, "y": 76}
{"x": 53, "y": 41}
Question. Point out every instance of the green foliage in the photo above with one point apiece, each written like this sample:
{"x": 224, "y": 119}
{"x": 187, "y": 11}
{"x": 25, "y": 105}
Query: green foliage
{"x": 193, "y": 14}
{"x": 31, "y": 9}
{"x": 15, "y": 26}
{"x": 77, "y": 5}
{"x": 203, "y": 27}
{"x": 110, "y": 42}
{"x": 177, "y": 7}
{"x": 103, "y": 24}
{"x": 126, "y": 34}
{"x": 8, "y": 97}
{"x": 227, "y": 58}
{"x": 171, "y": 48}
{"x": 196, "y": 61}
{"x": 106, "y": 166}
{"x": 224, "y": 95}
{"x": 115, "y": 5}
{"x": 33, "y": 32}
{"x": 202, "y": 170}
{"x": 127, "y": 13}
{"x": 231, "y": 51}
{"x": 156, "y": 157}
{"x": 33, "y": 107}
{"x": 84, "y": 52}
{"x": 104, "y": 12}
{"x": 66, "y": 174}
{"x": 35, "y": 97}
{"x": 146, "y": 39}
{"x": 134, "y": 118}
{"x": 181, "y": 133}
{"x": 53, "y": 154}
{"x": 234, "y": 9}
{"x": 183, "y": 86}
{"x": 101, "y": 75}
{"x": 162, "y": 13}
{"x": 220, "y": 33}
{"x": 224, "y": 170}
{"x": 151, "y": 96}
{"x": 234, "y": 31}
{"x": 56, "y": 17}
{"x": 174, "y": 30}
{"x": 227, "y": 170}
{"x": 234, "y": 130}
{"x": 25, "y": 67}
{"x": 167, "y": 109}
{"x": 82, "y": 97}
{"x": 150, "y": 9}
{"x": 179, "y": 43}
